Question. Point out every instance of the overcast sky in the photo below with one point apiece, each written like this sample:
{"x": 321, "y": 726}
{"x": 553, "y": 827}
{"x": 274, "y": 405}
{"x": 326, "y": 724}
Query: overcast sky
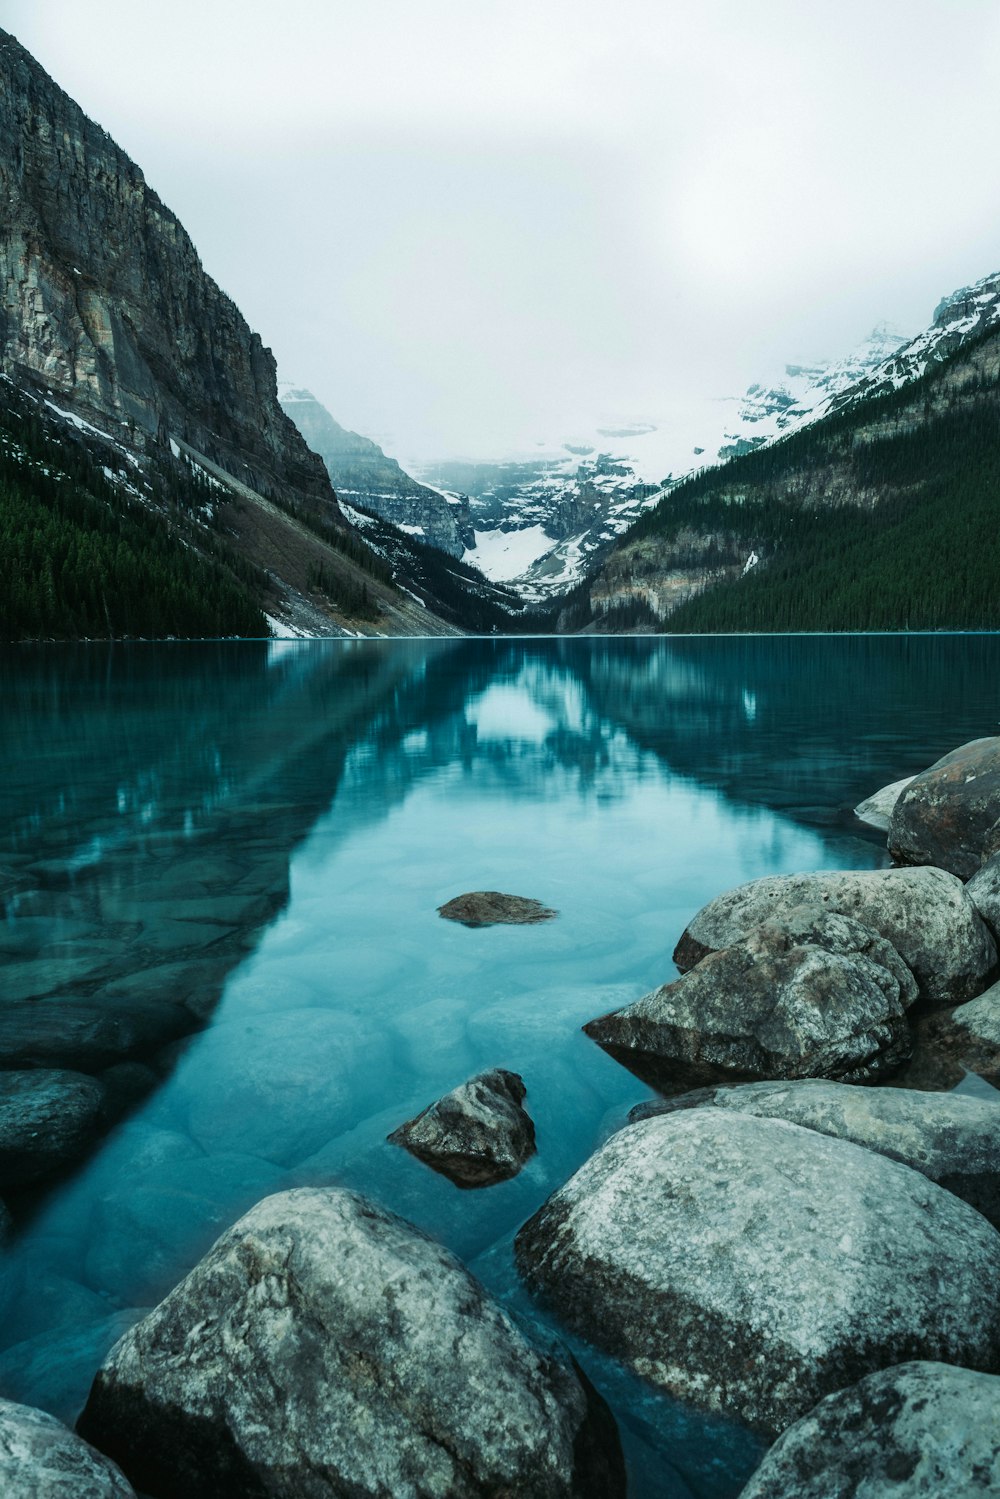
{"x": 472, "y": 225}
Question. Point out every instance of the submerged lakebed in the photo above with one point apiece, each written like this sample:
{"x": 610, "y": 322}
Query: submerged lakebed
{"x": 254, "y": 838}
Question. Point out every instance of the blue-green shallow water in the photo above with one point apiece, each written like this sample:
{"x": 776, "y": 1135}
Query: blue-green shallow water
{"x": 264, "y": 833}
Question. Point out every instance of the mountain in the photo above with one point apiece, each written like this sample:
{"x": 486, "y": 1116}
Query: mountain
{"x": 364, "y": 477}
{"x": 879, "y": 514}
{"x": 136, "y": 400}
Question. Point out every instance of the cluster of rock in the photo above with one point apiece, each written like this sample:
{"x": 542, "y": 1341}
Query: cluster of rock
{"x": 815, "y": 1259}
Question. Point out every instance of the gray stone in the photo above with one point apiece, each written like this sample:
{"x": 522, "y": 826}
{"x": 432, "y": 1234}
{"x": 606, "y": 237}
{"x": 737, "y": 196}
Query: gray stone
{"x": 40, "y": 1459}
{"x": 47, "y": 1118}
{"x": 476, "y": 1135}
{"x": 984, "y": 892}
{"x": 949, "y": 814}
{"x": 812, "y": 994}
{"x": 86, "y": 1034}
{"x": 954, "y": 1141}
{"x": 325, "y": 1347}
{"x": 491, "y": 908}
{"x": 751, "y": 1267}
{"x": 918, "y": 1431}
{"x": 925, "y": 914}
{"x": 876, "y": 810}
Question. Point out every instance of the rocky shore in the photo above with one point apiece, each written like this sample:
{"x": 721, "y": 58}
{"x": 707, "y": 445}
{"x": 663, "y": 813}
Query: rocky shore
{"x": 802, "y": 1234}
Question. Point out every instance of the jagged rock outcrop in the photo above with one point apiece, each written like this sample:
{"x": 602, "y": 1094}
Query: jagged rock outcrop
{"x": 362, "y": 474}
{"x": 104, "y": 301}
{"x": 325, "y": 1347}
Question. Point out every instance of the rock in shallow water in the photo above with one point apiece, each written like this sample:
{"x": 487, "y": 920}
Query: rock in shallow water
{"x": 876, "y": 810}
{"x": 492, "y": 908}
{"x": 40, "y": 1459}
{"x": 954, "y": 1141}
{"x": 917, "y": 1431}
{"x": 751, "y": 1266}
{"x": 324, "y": 1347}
{"x": 811, "y": 994}
{"x": 47, "y": 1118}
{"x": 476, "y": 1135}
{"x": 949, "y": 815}
{"x": 925, "y": 914}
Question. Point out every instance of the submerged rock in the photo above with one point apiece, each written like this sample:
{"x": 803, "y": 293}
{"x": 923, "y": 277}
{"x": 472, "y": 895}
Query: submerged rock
{"x": 751, "y": 1266}
{"x": 476, "y": 1135}
{"x": 876, "y": 810}
{"x": 87, "y": 1034}
{"x": 925, "y": 914}
{"x": 949, "y": 815}
{"x": 812, "y": 994}
{"x": 917, "y": 1431}
{"x": 952, "y": 1140}
{"x": 40, "y": 1459}
{"x": 492, "y": 908}
{"x": 47, "y": 1118}
{"x": 325, "y": 1347}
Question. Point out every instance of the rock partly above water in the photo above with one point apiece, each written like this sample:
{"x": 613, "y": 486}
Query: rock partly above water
{"x": 40, "y": 1459}
{"x": 493, "y": 908}
{"x": 952, "y": 1140}
{"x": 949, "y": 815}
{"x": 809, "y": 994}
{"x": 751, "y": 1267}
{"x": 324, "y": 1347}
{"x": 925, "y": 914}
{"x": 917, "y": 1431}
{"x": 476, "y": 1135}
{"x": 876, "y": 810}
{"x": 47, "y": 1118}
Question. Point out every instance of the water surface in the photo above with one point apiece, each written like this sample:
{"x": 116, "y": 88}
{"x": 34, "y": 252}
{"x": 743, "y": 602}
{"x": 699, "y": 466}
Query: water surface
{"x": 261, "y": 834}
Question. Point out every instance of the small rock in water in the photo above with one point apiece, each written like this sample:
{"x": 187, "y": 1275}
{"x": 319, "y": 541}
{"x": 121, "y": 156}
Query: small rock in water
{"x": 41, "y": 1459}
{"x": 476, "y": 1135}
{"x": 876, "y": 810}
{"x": 324, "y": 1347}
{"x": 916, "y": 1431}
{"x": 491, "y": 908}
{"x": 47, "y": 1118}
{"x": 751, "y": 1266}
{"x": 949, "y": 815}
{"x": 812, "y": 994}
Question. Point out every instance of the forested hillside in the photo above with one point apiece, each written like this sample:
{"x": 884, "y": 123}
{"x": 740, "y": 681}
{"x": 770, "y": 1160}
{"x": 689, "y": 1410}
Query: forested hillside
{"x": 884, "y": 517}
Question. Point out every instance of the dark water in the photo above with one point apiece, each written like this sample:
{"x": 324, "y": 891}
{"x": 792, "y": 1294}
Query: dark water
{"x": 262, "y": 834}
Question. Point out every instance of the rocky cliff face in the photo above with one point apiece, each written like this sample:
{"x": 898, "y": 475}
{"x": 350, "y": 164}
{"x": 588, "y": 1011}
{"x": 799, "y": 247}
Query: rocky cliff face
{"x": 104, "y": 302}
{"x": 363, "y": 475}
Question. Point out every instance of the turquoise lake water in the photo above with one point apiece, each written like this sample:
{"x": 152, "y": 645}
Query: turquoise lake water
{"x": 263, "y": 832}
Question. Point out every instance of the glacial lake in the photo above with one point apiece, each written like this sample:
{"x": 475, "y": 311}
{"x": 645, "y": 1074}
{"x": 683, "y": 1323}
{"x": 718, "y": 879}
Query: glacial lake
{"x": 262, "y": 833}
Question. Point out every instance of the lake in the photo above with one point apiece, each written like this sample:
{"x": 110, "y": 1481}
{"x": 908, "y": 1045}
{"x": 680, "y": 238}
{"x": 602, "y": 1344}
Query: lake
{"x": 255, "y": 838}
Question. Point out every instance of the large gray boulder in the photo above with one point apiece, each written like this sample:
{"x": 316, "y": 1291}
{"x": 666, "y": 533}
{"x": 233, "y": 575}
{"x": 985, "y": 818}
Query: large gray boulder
{"x": 476, "y": 1135}
{"x": 954, "y": 1141}
{"x": 917, "y": 1431}
{"x": 876, "y": 810}
{"x": 925, "y": 914}
{"x": 751, "y": 1267}
{"x": 984, "y": 892}
{"x": 809, "y": 994}
{"x": 40, "y": 1459}
{"x": 47, "y": 1118}
{"x": 326, "y": 1348}
{"x": 950, "y": 814}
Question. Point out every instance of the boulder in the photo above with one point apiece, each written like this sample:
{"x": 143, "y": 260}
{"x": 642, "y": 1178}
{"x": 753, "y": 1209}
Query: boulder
{"x": 476, "y": 1135}
{"x": 917, "y": 1431}
{"x": 984, "y": 892}
{"x": 952, "y": 1042}
{"x": 85, "y": 1033}
{"x": 950, "y": 813}
{"x": 925, "y": 914}
{"x": 47, "y": 1118}
{"x": 325, "y": 1347}
{"x": 491, "y": 908}
{"x": 952, "y": 1140}
{"x": 812, "y": 994}
{"x": 40, "y": 1459}
{"x": 876, "y": 810}
{"x": 750, "y": 1266}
